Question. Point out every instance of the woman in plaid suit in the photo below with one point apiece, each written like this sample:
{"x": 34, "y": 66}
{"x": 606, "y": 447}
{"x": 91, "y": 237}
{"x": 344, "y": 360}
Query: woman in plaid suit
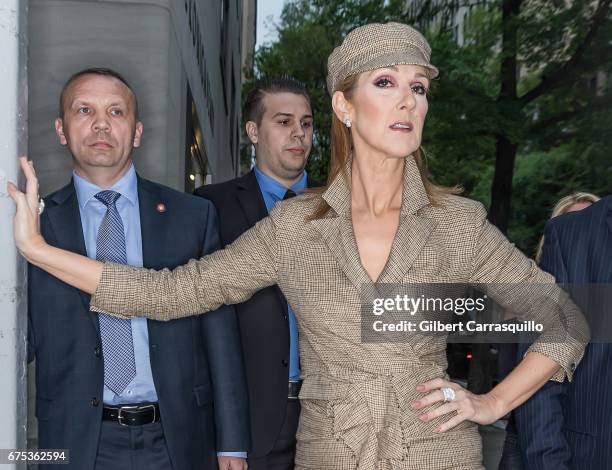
{"x": 366, "y": 405}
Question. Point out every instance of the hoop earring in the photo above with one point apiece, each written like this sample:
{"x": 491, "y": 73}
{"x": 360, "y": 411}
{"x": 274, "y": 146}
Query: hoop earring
{"x": 348, "y": 123}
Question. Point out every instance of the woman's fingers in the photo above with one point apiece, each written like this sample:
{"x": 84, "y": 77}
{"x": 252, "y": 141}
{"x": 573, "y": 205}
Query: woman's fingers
{"x": 428, "y": 400}
{"x": 463, "y": 404}
{"x": 436, "y": 394}
{"x": 430, "y": 385}
{"x": 451, "y": 423}
{"x": 439, "y": 411}
{"x": 16, "y": 195}
{"x": 26, "y": 226}
{"x": 31, "y": 183}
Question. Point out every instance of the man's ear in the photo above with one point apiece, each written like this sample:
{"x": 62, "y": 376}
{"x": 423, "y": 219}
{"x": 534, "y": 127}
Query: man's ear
{"x": 138, "y": 134}
{"x": 252, "y": 131}
{"x": 341, "y": 106}
{"x": 59, "y": 130}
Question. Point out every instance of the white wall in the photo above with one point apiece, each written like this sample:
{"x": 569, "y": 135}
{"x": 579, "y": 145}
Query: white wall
{"x": 13, "y": 319}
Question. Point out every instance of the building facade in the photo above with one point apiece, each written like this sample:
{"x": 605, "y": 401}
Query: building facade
{"x": 452, "y": 14}
{"x": 184, "y": 59}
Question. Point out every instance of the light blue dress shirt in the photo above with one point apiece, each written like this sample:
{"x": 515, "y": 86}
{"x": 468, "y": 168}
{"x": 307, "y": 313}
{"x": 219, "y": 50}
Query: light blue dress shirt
{"x": 273, "y": 191}
{"x": 141, "y": 388}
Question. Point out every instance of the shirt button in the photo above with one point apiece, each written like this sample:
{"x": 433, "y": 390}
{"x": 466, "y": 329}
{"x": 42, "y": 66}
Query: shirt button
{"x": 94, "y": 402}
{"x": 285, "y": 362}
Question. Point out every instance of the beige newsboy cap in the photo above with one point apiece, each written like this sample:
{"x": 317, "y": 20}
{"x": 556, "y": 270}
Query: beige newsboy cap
{"x": 374, "y": 46}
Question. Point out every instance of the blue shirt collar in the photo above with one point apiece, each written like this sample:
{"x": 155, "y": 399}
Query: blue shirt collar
{"x": 276, "y": 189}
{"x": 127, "y": 186}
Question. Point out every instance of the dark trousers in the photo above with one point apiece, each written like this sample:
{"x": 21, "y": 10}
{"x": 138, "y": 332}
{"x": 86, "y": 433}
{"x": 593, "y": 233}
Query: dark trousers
{"x": 132, "y": 447}
{"x": 282, "y": 455}
{"x": 511, "y": 455}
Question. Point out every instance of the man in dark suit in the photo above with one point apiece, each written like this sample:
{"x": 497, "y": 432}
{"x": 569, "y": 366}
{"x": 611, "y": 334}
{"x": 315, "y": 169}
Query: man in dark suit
{"x": 279, "y": 124}
{"x": 569, "y": 425}
{"x": 132, "y": 394}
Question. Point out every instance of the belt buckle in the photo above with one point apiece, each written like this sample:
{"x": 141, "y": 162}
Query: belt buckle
{"x": 133, "y": 408}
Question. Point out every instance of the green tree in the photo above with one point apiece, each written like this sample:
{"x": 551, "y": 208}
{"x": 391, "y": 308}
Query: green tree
{"x": 522, "y": 84}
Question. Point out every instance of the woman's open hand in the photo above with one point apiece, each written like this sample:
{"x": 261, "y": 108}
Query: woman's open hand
{"x": 27, "y": 217}
{"x": 457, "y": 403}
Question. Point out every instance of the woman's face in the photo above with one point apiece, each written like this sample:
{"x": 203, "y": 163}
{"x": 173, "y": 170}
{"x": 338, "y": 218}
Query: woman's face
{"x": 387, "y": 109}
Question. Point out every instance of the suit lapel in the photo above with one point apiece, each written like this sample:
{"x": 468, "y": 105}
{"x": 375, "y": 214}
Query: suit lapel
{"x": 154, "y": 224}
{"x": 153, "y": 231}
{"x": 336, "y": 230}
{"x": 250, "y": 199}
{"x": 413, "y": 231}
{"x": 65, "y": 221}
{"x": 609, "y": 215}
{"x": 253, "y": 205}
{"x": 337, "y": 233}
{"x": 607, "y": 245}
{"x": 154, "y": 227}
{"x": 412, "y": 234}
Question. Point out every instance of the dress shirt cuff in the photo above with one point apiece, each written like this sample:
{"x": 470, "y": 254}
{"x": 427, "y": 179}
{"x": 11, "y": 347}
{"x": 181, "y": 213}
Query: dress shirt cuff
{"x": 238, "y": 455}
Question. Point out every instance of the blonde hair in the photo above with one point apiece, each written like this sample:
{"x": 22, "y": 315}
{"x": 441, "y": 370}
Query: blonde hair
{"x": 340, "y": 152}
{"x": 562, "y": 207}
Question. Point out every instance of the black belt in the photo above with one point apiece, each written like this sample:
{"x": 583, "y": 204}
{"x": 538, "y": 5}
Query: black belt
{"x": 294, "y": 390}
{"x": 132, "y": 415}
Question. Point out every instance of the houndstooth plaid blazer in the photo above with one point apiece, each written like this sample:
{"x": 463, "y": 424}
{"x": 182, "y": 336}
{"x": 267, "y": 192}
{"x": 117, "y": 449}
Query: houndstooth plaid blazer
{"x": 356, "y": 395}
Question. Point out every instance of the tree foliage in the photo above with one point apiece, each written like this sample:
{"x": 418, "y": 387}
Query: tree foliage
{"x": 521, "y": 112}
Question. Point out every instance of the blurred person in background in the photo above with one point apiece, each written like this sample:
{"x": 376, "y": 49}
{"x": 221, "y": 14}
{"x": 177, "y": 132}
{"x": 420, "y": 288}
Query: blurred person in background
{"x": 571, "y": 203}
{"x": 511, "y": 456}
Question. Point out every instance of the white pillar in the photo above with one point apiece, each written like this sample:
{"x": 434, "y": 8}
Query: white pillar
{"x": 13, "y": 142}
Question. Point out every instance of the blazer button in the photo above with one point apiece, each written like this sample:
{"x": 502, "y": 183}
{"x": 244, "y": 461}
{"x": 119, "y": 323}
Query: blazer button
{"x": 94, "y": 402}
{"x": 97, "y": 351}
{"x": 285, "y": 362}
{"x": 285, "y": 317}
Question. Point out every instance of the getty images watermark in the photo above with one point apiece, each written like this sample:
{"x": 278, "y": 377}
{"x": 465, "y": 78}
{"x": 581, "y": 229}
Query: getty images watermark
{"x": 421, "y": 306}
{"x": 467, "y": 313}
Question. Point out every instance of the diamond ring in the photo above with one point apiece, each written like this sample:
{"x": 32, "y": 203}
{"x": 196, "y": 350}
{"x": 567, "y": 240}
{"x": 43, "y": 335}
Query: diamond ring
{"x": 448, "y": 393}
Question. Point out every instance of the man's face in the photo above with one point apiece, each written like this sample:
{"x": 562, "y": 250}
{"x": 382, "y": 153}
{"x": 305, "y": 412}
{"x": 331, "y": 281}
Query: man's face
{"x": 99, "y": 125}
{"x": 283, "y": 139}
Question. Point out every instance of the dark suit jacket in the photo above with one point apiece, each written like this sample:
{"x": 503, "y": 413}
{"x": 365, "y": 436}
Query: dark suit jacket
{"x": 196, "y": 362}
{"x": 263, "y": 322}
{"x": 569, "y": 425}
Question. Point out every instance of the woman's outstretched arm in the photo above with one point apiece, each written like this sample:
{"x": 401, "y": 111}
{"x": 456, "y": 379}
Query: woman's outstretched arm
{"x": 78, "y": 271}
{"x": 227, "y": 276}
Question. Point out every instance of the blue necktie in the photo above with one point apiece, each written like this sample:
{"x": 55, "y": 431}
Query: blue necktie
{"x": 116, "y": 333}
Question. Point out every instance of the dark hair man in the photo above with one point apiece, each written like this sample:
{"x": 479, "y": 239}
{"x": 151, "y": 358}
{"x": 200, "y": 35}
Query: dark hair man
{"x": 279, "y": 124}
{"x": 129, "y": 394}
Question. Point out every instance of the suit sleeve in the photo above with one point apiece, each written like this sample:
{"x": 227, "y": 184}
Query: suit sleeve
{"x": 31, "y": 332}
{"x": 224, "y": 351}
{"x": 227, "y": 276}
{"x": 522, "y": 289}
{"x": 540, "y": 419}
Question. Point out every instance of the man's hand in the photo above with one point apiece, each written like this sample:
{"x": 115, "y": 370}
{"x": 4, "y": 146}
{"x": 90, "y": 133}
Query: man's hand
{"x": 27, "y": 218}
{"x": 232, "y": 463}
